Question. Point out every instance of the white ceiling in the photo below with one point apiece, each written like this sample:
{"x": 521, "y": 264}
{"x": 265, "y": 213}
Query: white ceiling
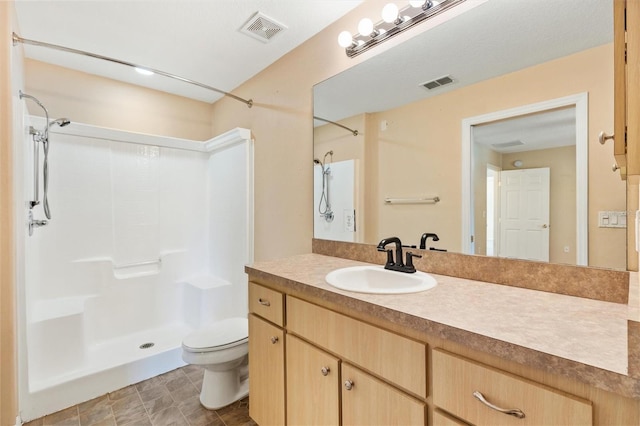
{"x": 197, "y": 40}
{"x": 542, "y": 130}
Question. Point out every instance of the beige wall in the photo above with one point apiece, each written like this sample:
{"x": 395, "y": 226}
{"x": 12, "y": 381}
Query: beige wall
{"x": 8, "y": 365}
{"x": 90, "y": 99}
{"x": 282, "y": 124}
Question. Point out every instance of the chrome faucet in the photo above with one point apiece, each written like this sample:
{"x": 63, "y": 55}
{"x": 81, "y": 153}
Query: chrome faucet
{"x": 425, "y": 236}
{"x": 397, "y": 265}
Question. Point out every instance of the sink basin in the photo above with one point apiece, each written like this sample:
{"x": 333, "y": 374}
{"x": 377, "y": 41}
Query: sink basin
{"x": 376, "y": 279}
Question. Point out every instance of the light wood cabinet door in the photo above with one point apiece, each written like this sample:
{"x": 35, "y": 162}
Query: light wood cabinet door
{"x": 313, "y": 385}
{"x": 369, "y": 401}
{"x": 266, "y": 372}
{"x": 456, "y": 380}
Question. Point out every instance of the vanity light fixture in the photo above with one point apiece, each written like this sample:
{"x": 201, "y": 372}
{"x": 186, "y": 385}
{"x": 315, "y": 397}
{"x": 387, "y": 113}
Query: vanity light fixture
{"x": 394, "y": 21}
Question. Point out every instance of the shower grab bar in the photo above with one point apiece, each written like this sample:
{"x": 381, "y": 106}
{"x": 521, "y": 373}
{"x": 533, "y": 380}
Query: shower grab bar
{"x": 133, "y": 264}
{"x": 17, "y": 39}
{"x": 424, "y": 200}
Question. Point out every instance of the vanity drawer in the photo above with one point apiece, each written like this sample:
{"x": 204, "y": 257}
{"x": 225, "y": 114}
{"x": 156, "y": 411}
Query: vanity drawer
{"x": 266, "y": 303}
{"x": 455, "y": 379}
{"x": 390, "y": 356}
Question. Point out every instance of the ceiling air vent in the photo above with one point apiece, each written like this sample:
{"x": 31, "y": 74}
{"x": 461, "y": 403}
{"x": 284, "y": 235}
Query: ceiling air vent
{"x": 262, "y": 28}
{"x": 438, "y": 82}
{"x": 507, "y": 144}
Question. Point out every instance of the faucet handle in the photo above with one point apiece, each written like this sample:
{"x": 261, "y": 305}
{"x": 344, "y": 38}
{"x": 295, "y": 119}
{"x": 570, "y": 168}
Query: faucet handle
{"x": 409, "y": 264}
{"x": 389, "y": 258}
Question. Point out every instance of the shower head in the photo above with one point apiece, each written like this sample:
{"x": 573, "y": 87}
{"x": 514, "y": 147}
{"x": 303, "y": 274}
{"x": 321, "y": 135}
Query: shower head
{"x": 60, "y": 122}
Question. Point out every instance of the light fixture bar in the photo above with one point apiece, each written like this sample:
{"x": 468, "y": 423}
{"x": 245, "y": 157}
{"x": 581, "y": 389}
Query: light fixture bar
{"x": 407, "y": 18}
{"x": 17, "y": 39}
{"x": 353, "y": 132}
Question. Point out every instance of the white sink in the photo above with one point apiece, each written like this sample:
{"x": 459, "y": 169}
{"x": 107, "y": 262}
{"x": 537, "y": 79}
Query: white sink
{"x": 376, "y": 279}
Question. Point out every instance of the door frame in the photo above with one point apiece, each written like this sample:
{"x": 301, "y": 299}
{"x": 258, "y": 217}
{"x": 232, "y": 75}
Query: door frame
{"x": 580, "y": 102}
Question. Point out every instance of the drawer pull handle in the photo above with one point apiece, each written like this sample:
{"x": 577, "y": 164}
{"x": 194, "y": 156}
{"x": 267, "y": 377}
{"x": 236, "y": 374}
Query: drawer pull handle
{"x": 325, "y": 371}
{"x": 515, "y": 412}
{"x": 264, "y": 302}
{"x": 348, "y": 384}
{"x": 274, "y": 339}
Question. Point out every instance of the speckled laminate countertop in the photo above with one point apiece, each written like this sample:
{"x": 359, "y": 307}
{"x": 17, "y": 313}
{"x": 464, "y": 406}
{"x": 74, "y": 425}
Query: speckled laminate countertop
{"x": 579, "y": 338}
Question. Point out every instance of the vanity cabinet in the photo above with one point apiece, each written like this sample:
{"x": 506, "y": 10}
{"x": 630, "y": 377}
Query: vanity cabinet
{"x": 266, "y": 356}
{"x": 398, "y": 362}
{"x": 314, "y": 362}
{"x": 460, "y": 385}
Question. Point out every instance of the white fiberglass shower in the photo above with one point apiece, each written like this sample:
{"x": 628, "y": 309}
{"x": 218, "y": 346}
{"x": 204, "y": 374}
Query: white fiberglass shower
{"x": 147, "y": 241}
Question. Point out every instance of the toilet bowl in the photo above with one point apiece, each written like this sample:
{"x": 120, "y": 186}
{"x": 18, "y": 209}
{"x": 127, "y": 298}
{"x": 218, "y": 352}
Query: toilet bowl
{"x": 221, "y": 348}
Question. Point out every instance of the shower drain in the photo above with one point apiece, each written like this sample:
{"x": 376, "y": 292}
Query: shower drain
{"x": 146, "y": 345}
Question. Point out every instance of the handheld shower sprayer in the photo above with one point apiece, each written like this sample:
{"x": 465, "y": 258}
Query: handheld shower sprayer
{"x": 43, "y": 137}
{"x": 60, "y": 122}
{"x": 325, "y": 212}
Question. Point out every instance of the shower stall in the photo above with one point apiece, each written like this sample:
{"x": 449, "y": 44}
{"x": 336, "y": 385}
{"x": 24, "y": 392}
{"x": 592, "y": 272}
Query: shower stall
{"x": 146, "y": 240}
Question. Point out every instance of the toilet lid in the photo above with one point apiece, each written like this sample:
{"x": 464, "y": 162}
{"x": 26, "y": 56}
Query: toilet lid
{"x": 226, "y": 333}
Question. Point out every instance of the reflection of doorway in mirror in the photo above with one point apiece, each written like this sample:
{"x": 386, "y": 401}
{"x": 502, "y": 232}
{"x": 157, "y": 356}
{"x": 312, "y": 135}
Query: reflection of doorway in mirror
{"x": 524, "y": 214}
{"x": 493, "y": 193}
{"x": 547, "y": 134}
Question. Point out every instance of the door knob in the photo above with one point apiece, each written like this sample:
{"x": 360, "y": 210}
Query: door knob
{"x": 545, "y": 226}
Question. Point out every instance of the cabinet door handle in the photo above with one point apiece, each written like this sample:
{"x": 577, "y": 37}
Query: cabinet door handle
{"x": 325, "y": 370}
{"x": 264, "y": 302}
{"x": 274, "y": 339}
{"x": 603, "y": 137}
{"x": 513, "y": 412}
{"x": 348, "y": 385}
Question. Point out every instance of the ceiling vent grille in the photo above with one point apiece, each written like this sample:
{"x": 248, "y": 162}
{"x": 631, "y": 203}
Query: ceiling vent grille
{"x": 438, "y": 82}
{"x": 507, "y": 144}
{"x": 261, "y": 27}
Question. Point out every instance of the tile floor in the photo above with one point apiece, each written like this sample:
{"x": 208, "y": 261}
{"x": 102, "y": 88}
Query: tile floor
{"x": 169, "y": 399}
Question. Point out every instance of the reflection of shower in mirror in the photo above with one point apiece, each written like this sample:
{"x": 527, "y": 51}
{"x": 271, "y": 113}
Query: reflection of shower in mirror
{"x": 324, "y": 206}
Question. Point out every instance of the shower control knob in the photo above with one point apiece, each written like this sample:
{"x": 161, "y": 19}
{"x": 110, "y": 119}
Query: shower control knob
{"x": 325, "y": 371}
{"x": 348, "y": 384}
{"x": 274, "y": 339}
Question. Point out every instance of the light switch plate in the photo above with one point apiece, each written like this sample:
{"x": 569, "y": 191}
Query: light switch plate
{"x": 612, "y": 219}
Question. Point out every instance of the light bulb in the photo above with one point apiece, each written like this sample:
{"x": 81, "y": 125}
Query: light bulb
{"x": 416, "y": 3}
{"x": 390, "y": 13}
{"x": 345, "y": 39}
{"x": 365, "y": 27}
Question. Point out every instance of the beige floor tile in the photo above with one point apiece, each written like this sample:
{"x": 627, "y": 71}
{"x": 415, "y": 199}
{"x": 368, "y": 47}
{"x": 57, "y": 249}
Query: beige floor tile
{"x": 159, "y": 404}
{"x": 122, "y": 393}
{"x": 96, "y": 414}
{"x": 131, "y": 415}
{"x": 63, "y": 418}
{"x": 168, "y": 417}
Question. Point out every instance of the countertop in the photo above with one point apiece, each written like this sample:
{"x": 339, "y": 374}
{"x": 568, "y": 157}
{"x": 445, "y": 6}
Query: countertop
{"x": 576, "y": 337}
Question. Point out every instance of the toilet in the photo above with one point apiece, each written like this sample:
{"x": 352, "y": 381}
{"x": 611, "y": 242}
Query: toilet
{"x": 221, "y": 348}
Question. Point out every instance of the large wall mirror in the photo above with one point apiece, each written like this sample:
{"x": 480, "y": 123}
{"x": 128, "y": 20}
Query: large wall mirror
{"x": 498, "y": 156}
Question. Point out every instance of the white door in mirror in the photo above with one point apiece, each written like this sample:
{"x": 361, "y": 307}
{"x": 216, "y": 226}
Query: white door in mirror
{"x": 376, "y": 279}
